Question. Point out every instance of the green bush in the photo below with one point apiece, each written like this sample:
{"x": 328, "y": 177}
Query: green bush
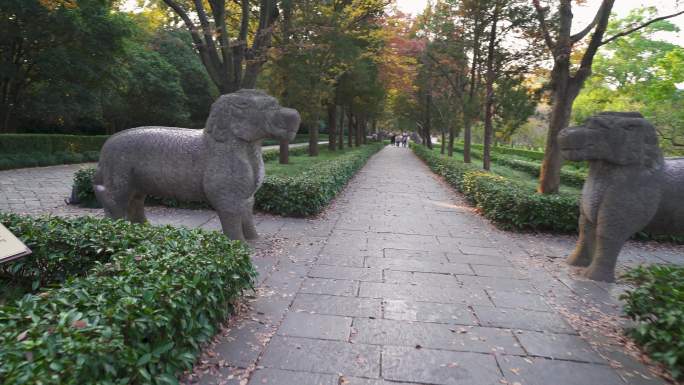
{"x": 17, "y": 144}
{"x": 308, "y": 193}
{"x": 136, "y": 310}
{"x": 508, "y": 203}
{"x": 657, "y": 305}
{"x": 570, "y": 177}
{"x": 302, "y": 195}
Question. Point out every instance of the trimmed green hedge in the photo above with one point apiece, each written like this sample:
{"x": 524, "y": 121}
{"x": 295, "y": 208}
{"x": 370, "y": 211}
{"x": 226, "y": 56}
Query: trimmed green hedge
{"x": 657, "y": 305}
{"x": 302, "y": 195}
{"x": 574, "y": 178}
{"x": 508, "y": 203}
{"x": 49, "y": 143}
{"x": 134, "y": 304}
{"x": 311, "y": 191}
{"x": 33, "y": 150}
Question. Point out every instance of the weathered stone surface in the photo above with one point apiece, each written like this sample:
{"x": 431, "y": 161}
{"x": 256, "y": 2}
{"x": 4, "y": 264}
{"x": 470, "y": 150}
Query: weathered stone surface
{"x": 544, "y": 372}
{"x": 630, "y": 187}
{"x": 428, "y": 312}
{"x": 497, "y": 283}
{"x": 346, "y": 272}
{"x": 333, "y": 305}
{"x": 507, "y": 299}
{"x": 476, "y": 259}
{"x": 425, "y": 294}
{"x": 324, "y": 327}
{"x": 319, "y": 356}
{"x": 417, "y": 265}
{"x": 341, "y": 287}
{"x": 428, "y": 366}
{"x": 558, "y": 346}
{"x": 243, "y": 343}
{"x": 221, "y": 164}
{"x": 498, "y": 271}
{"x": 428, "y": 279}
{"x": 436, "y": 336}
{"x": 522, "y": 319}
{"x": 286, "y": 377}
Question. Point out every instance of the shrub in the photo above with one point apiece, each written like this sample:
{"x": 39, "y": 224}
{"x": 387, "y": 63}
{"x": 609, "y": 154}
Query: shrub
{"x": 299, "y": 196}
{"x": 16, "y": 144}
{"x": 508, "y": 203}
{"x": 657, "y": 305}
{"x": 136, "y": 311}
{"x": 308, "y": 193}
{"x": 574, "y": 177}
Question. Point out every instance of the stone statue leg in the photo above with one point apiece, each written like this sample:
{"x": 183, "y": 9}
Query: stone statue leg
{"x": 136, "y": 209}
{"x": 602, "y": 267}
{"x": 585, "y": 243}
{"x": 119, "y": 203}
{"x": 231, "y": 222}
{"x": 248, "y": 227}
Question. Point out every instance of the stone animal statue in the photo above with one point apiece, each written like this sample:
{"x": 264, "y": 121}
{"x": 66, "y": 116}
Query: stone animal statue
{"x": 221, "y": 165}
{"x": 630, "y": 188}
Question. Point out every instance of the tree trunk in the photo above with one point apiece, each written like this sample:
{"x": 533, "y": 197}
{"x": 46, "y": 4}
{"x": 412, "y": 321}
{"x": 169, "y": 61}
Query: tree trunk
{"x": 284, "y": 152}
{"x": 332, "y": 126}
{"x": 563, "y": 96}
{"x": 489, "y": 102}
{"x": 452, "y": 135}
{"x": 350, "y": 128}
{"x": 365, "y": 131}
{"x": 442, "y": 143}
{"x": 313, "y": 139}
{"x": 428, "y": 121}
{"x": 340, "y": 142}
{"x": 357, "y": 131}
{"x": 468, "y": 115}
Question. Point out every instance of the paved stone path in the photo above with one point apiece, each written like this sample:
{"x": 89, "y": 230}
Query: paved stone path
{"x": 400, "y": 282}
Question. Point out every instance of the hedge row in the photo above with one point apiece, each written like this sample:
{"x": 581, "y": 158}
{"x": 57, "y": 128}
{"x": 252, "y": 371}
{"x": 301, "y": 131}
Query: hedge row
{"x": 508, "y": 203}
{"x": 302, "y": 195}
{"x": 574, "y": 178}
{"x": 657, "y": 305}
{"x": 49, "y": 143}
{"x": 530, "y": 154}
{"x": 37, "y": 159}
{"x": 311, "y": 191}
{"x": 135, "y": 303}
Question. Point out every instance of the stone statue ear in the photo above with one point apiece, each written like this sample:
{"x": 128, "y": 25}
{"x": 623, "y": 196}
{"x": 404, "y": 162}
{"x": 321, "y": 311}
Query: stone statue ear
{"x": 219, "y": 124}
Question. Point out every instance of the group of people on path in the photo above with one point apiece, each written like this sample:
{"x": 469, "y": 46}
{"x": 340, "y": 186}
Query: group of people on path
{"x": 400, "y": 140}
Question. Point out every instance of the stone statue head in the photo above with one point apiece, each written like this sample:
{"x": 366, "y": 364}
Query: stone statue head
{"x": 251, "y": 115}
{"x": 621, "y": 138}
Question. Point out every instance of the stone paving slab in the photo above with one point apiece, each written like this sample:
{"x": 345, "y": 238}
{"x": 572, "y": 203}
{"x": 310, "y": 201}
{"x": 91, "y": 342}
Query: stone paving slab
{"x": 435, "y": 336}
{"x": 427, "y": 366}
{"x": 399, "y": 282}
{"x": 321, "y": 356}
{"x": 539, "y": 371}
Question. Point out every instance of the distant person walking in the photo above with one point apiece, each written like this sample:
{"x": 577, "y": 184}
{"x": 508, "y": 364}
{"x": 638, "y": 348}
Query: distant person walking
{"x": 393, "y": 138}
{"x": 404, "y": 140}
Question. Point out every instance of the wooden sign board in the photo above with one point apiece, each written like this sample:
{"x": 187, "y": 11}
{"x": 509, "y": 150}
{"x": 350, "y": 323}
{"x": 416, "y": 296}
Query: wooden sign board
{"x": 10, "y": 246}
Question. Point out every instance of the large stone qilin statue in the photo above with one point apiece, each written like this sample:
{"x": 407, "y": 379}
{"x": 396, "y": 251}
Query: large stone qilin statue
{"x": 630, "y": 188}
{"x": 221, "y": 164}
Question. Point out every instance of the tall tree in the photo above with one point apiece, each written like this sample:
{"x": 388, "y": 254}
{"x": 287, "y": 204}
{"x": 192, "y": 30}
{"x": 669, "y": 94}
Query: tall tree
{"x": 567, "y": 79}
{"x": 224, "y": 46}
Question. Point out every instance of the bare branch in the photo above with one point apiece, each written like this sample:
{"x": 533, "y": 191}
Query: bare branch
{"x": 588, "y": 58}
{"x": 644, "y": 25}
{"x": 542, "y": 24}
{"x": 580, "y": 35}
